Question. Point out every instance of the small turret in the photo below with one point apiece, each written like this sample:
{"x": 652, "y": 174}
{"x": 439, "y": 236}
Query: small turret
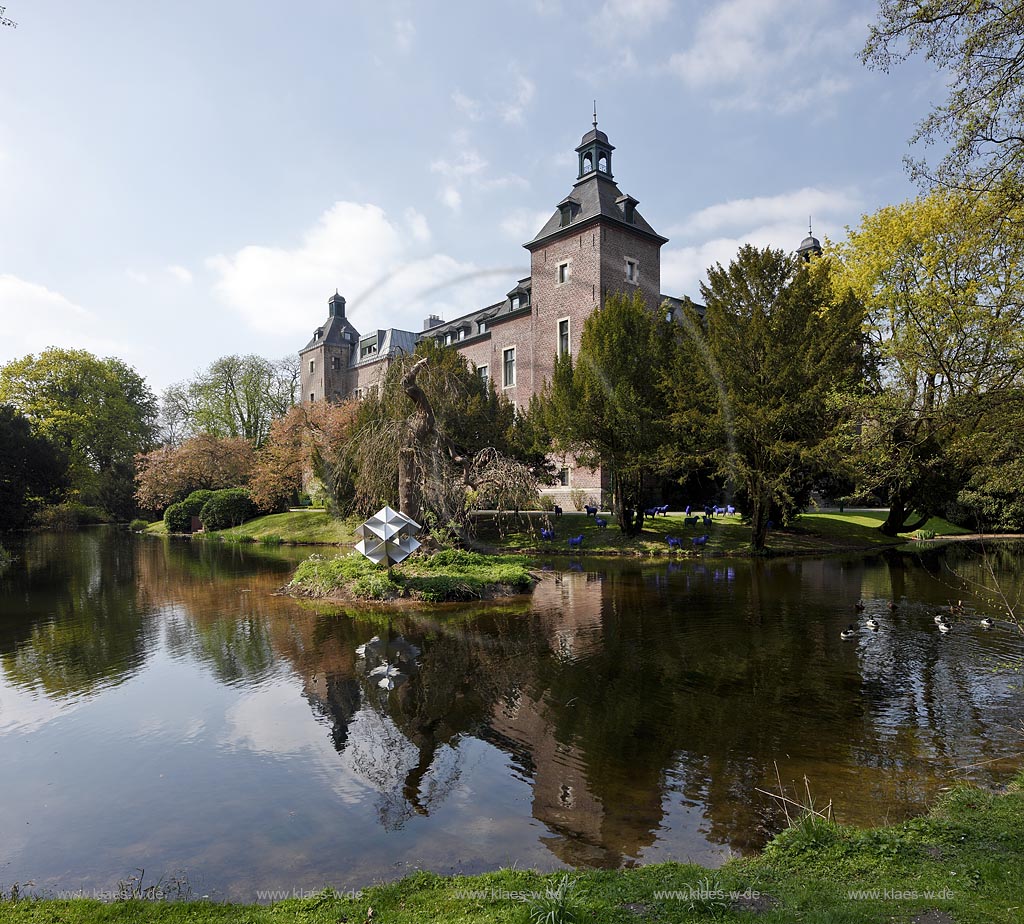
{"x": 810, "y": 246}
{"x": 336, "y": 305}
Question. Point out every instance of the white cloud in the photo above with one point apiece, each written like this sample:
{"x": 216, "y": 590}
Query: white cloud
{"x": 181, "y": 274}
{"x": 34, "y": 317}
{"x": 523, "y": 224}
{"x": 416, "y": 222}
{"x": 467, "y": 105}
{"x": 356, "y": 248}
{"x": 522, "y": 94}
{"x": 405, "y": 34}
{"x": 718, "y": 231}
{"x": 794, "y": 207}
{"x": 628, "y": 19}
{"x": 468, "y": 168}
{"x": 758, "y": 54}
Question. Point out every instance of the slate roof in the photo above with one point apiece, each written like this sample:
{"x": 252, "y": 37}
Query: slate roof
{"x": 596, "y": 195}
{"x": 332, "y": 331}
{"x": 492, "y": 313}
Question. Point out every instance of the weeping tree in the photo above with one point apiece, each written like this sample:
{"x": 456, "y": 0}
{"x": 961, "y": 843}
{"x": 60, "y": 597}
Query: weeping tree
{"x": 430, "y": 434}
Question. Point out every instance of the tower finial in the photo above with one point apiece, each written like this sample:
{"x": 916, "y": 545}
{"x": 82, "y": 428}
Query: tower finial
{"x": 810, "y": 233}
{"x": 595, "y": 113}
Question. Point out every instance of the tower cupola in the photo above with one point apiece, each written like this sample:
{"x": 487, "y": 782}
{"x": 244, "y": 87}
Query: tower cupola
{"x": 595, "y": 152}
{"x": 810, "y": 246}
{"x": 336, "y": 305}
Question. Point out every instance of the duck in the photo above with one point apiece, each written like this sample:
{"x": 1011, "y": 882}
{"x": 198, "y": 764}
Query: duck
{"x": 893, "y": 605}
{"x": 939, "y": 619}
{"x": 988, "y": 622}
{"x": 849, "y": 632}
{"x": 871, "y": 622}
{"x": 957, "y": 608}
{"x": 944, "y": 628}
{"x": 859, "y": 606}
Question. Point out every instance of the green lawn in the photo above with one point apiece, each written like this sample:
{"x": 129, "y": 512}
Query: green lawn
{"x": 813, "y": 532}
{"x": 963, "y": 861}
{"x": 302, "y": 527}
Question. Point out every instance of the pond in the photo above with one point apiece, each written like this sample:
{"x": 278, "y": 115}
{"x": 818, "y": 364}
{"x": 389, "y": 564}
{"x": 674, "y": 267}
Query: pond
{"x": 162, "y": 709}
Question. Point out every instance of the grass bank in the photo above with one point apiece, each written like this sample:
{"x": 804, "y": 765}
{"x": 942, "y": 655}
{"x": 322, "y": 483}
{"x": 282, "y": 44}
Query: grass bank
{"x": 448, "y": 575}
{"x": 296, "y": 527}
{"x": 963, "y": 863}
{"x": 728, "y": 535}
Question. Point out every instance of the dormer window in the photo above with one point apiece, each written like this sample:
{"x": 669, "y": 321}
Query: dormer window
{"x": 318, "y": 333}
{"x": 481, "y": 327}
{"x": 514, "y": 303}
{"x": 565, "y": 215}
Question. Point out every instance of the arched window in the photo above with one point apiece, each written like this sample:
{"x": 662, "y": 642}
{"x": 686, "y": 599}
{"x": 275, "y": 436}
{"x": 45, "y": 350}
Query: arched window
{"x": 588, "y": 162}
{"x": 602, "y": 163}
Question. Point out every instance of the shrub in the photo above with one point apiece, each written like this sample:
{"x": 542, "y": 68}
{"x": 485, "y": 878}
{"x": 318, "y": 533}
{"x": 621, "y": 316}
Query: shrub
{"x": 547, "y": 502}
{"x": 137, "y": 526}
{"x": 578, "y": 497}
{"x": 178, "y": 517}
{"x": 69, "y": 515}
{"x": 227, "y": 508}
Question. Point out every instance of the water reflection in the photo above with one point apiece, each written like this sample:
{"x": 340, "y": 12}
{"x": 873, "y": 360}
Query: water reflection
{"x": 624, "y": 714}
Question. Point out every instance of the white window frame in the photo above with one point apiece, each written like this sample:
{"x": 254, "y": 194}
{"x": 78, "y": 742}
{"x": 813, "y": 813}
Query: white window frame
{"x": 635, "y": 263}
{"x": 558, "y": 336}
{"x": 504, "y": 368}
{"x": 567, "y": 266}
{"x": 484, "y": 372}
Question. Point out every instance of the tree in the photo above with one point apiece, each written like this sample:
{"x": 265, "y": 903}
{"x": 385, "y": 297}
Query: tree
{"x": 754, "y": 382}
{"x": 170, "y": 473}
{"x": 32, "y": 471}
{"x": 941, "y": 277}
{"x": 98, "y": 412}
{"x": 446, "y": 429}
{"x": 606, "y": 408}
{"x": 980, "y": 46}
{"x": 236, "y": 396}
{"x": 311, "y": 439}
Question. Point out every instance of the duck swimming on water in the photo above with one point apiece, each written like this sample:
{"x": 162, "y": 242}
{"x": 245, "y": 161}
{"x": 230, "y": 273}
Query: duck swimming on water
{"x": 988, "y": 622}
{"x": 871, "y": 623}
{"x": 849, "y": 632}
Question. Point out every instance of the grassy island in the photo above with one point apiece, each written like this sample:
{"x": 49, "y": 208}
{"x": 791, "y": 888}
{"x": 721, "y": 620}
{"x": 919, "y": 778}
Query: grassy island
{"x": 963, "y": 863}
{"x": 445, "y": 576}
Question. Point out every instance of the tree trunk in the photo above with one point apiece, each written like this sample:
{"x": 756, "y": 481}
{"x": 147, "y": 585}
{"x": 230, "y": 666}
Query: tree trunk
{"x": 758, "y": 522}
{"x": 409, "y": 500}
{"x": 897, "y": 515}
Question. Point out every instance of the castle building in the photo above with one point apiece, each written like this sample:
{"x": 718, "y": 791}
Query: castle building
{"x": 595, "y": 243}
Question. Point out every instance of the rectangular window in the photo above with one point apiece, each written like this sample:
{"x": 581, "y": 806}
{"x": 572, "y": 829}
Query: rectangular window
{"x": 563, "y": 336}
{"x": 631, "y": 271}
{"x": 509, "y": 366}
{"x": 462, "y": 333}
{"x": 563, "y": 273}
{"x": 335, "y": 363}
{"x": 514, "y": 304}
{"x": 312, "y": 397}
{"x": 483, "y": 327}
{"x": 359, "y": 394}
{"x": 482, "y": 372}
{"x": 312, "y": 366}
{"x": 563, "y": 477}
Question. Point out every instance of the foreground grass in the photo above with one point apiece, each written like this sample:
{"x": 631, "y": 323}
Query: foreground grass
{"x": 298, "y": 527}
{"x": 963, "y": 862}
{"x": 812, "y": 532}
{"x": 448, "y": 575}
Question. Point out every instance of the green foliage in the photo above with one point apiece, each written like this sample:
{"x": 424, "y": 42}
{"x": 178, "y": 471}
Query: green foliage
{"x": 940, "y": 278}
{"x": 69, "y": 515}
{"x": 755, "y": 382}
{"x": 978, "y": 126}
{"x": 226, "y": 508}
{"x": 558, "y": 904}
{"x": 451, "y": 574}
{"x": 604, "y": 406}
{"x": 138, "y": 526}
{"x": 178, "y": 517}
{"x": 235, "y": 397}
{"x": 98, "y": 412}
{"x": 32, "y": 471}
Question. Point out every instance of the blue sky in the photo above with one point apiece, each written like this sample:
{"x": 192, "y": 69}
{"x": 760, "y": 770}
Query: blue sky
{"x": 183, "y": 180}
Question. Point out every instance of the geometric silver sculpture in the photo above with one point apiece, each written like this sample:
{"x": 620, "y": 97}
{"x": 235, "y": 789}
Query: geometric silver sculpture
{"x": 389, "y": 537}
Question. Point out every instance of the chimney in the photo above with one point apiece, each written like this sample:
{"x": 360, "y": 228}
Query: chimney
{"x": 432, "y": 321}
